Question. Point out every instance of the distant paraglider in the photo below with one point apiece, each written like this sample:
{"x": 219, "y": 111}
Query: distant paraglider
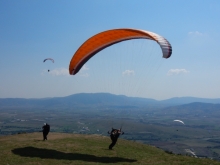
{"x": 50, "y": 60}
{"x": 179, "y": 121}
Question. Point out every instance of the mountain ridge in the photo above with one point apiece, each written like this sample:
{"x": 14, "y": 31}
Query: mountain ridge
{"x": 101, "y": 99}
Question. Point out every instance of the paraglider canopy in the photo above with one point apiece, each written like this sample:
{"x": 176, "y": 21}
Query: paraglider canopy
{"x": 179, "y": 121}
{"x": 107, "y": 38}
{"x": 49, "y": 59}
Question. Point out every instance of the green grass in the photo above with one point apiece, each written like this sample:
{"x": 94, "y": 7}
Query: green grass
{"x": 61, "y": 148}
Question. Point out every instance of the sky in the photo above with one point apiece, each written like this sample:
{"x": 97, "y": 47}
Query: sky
{"x": 31, "y": 31}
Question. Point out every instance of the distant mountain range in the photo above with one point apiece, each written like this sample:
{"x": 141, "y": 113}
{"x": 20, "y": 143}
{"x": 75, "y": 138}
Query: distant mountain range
{"x": 100, "y": 100}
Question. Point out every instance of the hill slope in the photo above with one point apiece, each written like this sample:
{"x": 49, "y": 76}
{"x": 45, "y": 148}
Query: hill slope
{"x": 79, "y": 149}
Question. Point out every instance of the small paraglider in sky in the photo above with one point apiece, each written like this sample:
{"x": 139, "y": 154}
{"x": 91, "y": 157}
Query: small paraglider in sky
{"x": 50, "y": 60}
{"x": 179, "y": 121}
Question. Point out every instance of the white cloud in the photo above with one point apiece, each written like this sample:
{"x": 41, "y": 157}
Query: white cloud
{"x": 59, "y": 72}
{"x": 84, "y": 74}
{"x": 196, "y": 33}
{"x": 128, "y": 73}
{"x": 172, "y": 72}
{"x": 197, "y": 38}
{"x": 83, "y": 71}
{"x": 85, "y": 67}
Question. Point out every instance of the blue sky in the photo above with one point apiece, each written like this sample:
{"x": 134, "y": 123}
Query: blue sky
{"x": 31, "y": 31}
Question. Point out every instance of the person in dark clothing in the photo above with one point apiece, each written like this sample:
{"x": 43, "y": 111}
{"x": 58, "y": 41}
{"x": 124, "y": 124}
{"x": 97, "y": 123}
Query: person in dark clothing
{"x": 46, "y": 130}
{"x": 114, "y": 134}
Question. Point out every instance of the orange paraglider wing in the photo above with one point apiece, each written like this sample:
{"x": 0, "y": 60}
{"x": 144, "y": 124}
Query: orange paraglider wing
{"x": 107, "y": 38}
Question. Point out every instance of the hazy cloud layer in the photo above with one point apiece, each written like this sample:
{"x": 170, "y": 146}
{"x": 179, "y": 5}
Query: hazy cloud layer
{"x": 172, "y": 72}
{"x": 196, "y": 33}
{"x": 128, "y": 73}
{"x": 84, "y": 67}
{"x": 83, "y": 71}
{"x": 59, "y": 72}
{"x": 84, "y": 74}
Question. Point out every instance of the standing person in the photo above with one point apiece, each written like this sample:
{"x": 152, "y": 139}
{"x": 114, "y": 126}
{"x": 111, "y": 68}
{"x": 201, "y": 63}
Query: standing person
{"x": 46, "y": 130}
{"x": 114, "y": 134}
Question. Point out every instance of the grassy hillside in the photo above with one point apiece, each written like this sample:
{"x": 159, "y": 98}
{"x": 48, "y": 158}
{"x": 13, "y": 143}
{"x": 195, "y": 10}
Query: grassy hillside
{"x": 29, "y": 149}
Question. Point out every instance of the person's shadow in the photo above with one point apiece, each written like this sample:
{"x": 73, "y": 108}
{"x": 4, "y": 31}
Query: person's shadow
{"x": 54, "y": 154}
